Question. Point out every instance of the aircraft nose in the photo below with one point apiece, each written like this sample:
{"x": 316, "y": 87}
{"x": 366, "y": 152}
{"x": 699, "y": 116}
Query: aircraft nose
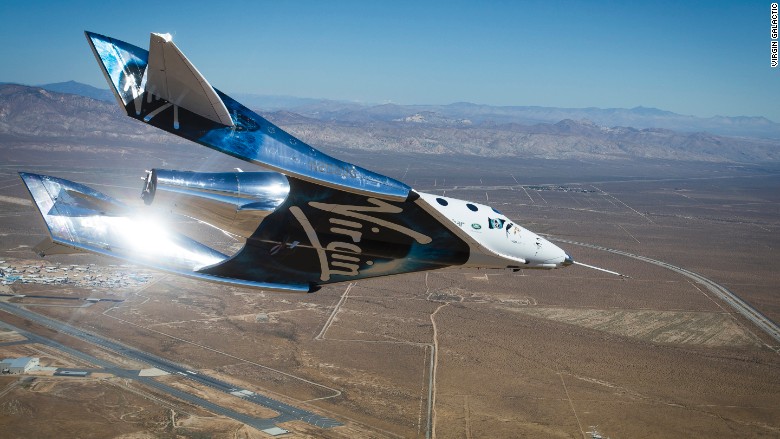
{"x": 556, "y": 256}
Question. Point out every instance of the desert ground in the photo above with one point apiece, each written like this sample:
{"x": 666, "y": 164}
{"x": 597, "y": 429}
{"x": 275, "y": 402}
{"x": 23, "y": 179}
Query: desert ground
{"x": 493, "y": 353}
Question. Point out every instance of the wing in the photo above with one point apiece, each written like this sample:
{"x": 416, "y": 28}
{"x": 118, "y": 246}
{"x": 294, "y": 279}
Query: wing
{"x": 163, "y": 89}
{"x": 80, "y": 219}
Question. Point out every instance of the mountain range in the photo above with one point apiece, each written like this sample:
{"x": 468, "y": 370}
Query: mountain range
{"x": 324, "y": 109}
{"x": 71, "y": 112}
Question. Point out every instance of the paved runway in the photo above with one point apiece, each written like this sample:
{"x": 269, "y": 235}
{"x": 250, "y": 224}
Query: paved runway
{"x": 286, "y": 411}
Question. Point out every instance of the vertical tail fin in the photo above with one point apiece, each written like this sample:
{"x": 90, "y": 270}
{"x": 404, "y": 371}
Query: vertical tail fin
{"x": 163, "y": 71}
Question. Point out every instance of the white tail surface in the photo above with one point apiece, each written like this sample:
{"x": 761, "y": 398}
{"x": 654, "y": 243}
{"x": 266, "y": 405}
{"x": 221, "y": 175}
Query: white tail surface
{"x": 171, "y": 76}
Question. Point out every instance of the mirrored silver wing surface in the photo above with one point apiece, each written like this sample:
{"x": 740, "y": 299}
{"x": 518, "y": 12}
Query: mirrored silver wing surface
{"x": 80, "y": 219}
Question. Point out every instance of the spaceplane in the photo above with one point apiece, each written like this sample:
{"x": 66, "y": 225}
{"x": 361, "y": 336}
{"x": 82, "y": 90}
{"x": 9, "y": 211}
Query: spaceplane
{"x": 305, "y": 220}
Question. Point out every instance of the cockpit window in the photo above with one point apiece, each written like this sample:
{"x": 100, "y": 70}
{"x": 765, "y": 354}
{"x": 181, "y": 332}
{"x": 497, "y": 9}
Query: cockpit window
{"x": 442, "y": 201}
{"x": 496, "y": 211}
{"x": 496, "y": 223}
{"x": 472, "y": 207}
{"x": 513, "y": 232}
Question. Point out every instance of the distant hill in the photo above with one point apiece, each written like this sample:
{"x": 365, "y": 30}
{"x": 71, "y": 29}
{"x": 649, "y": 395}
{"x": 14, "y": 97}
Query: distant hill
{"x": 35, "y": 115}
{"x": 639, "y": 117}
{"x": 331, "y": 110}
{"x": 567, "y": 139}
{"x": 77, "y": 88}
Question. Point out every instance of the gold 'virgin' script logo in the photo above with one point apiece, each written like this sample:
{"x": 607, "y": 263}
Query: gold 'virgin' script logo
{"x": 344, "y": 257}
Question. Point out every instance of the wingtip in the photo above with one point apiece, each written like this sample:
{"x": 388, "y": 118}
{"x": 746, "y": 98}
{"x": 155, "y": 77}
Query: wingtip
{"x": 92, "y": 36}
{"x": 28, "y": 176}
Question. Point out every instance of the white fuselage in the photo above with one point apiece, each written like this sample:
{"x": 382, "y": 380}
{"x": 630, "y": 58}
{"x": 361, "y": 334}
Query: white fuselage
{"x": 495, "y": 240}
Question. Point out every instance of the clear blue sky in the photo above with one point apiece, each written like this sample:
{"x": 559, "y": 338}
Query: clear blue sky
{"x": 692, "y": 57}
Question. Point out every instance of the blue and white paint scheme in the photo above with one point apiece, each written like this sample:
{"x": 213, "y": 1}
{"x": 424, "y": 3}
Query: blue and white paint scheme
{"x": 314, "y": 220}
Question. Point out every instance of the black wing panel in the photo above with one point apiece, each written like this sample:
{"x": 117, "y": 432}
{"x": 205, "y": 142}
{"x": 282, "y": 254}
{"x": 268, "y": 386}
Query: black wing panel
{"x": 321, "y": 235}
